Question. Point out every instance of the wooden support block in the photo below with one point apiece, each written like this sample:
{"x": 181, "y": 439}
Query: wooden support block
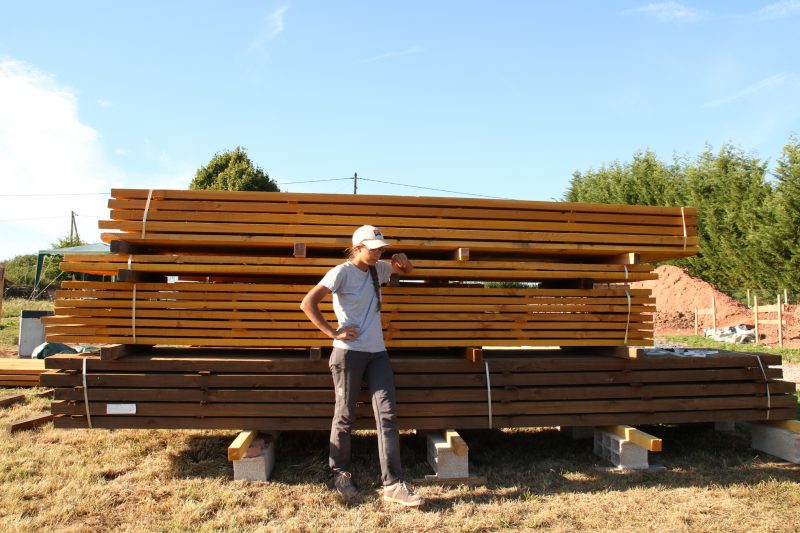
{"x": 473, "y": 355}
{"x": 299, "y": 249}
{"x": 455, "y": 441}
{"x": 791, "y": 425}
{"x": 638, "y": 437}
{"x": 630, "y": 258}
{"x": 777, "y": 441}
{"x": 11, "y": 400}
{"x": 623, "y": 453}
{"x": 315, "y": 353}
{"x": 462, "y": 254}
{"x": 117, "y": 351}
{"x": 239, "y": 446}
{"x": 30, "y": 423}
{"x": 443, "y": 457}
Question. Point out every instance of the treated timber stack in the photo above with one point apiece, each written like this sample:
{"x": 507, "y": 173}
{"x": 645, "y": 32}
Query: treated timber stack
{"x": 253, "y": 256}
{"x": 233, "y": 390}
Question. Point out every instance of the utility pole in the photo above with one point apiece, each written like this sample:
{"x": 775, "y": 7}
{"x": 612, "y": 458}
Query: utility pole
{"x": 355, "y": 182}
{"x": 73, "y": 230}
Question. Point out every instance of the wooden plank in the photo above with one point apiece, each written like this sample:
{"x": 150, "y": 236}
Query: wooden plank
{"x": 238, "y": 448}
{"x": 30, "y": 423}
{"x": 11, "y": 400}
{"x": 636, "y": 436}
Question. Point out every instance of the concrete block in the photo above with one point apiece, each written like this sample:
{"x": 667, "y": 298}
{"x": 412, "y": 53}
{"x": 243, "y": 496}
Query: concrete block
{"x": 775, "y": 441}
{"x": 725, "y": 426}
{"x": 444, "y": 460}
{"x": 620, "y": 452}
{"x": 257, "y": 468}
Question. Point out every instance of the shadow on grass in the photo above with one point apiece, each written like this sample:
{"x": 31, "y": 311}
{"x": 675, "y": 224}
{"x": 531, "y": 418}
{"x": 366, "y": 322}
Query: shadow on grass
{"x": 518, "y": 464}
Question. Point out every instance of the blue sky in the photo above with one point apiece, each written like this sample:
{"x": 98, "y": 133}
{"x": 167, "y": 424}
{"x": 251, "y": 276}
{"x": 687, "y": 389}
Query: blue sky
{"x": 504, "y": 99}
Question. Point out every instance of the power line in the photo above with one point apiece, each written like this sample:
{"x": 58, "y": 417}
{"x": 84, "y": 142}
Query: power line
{"x": 47, "y": 218}
{"x": 433, "y": 189}
{"x": 311, "y": 181}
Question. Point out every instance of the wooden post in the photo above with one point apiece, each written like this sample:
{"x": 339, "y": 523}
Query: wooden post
{"x": 785, "y": 296}
{"x": 695, "y": 322}
{"x": 780, "y": 323}
{"x": 755, "y": 315}
{"x": 714, "y": 314}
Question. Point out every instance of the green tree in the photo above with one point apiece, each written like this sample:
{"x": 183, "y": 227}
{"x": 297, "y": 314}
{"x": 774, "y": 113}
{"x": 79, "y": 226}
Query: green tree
{"x": 784, "y": 240}
{"x": 232, "y": 171}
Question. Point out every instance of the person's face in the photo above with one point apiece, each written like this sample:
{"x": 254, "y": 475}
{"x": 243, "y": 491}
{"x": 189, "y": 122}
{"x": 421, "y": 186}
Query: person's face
{"x": 368, "y": 256}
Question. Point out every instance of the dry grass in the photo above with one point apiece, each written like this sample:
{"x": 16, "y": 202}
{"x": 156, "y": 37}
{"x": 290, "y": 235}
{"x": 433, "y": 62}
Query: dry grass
{"x": 126, "y": 480}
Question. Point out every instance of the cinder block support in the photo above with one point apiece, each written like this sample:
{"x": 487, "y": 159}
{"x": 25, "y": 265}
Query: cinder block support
{"x": 254, "y": 463}
{"x": 622, "y": 453}
{"x": 728, "y": 427}
{"x": 448, "y": 455}
{"x": 777, "y": 441}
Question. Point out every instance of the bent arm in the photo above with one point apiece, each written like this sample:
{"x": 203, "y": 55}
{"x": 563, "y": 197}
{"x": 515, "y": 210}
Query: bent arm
{"x": 310, "y": 306}
{"x": 401, "y": 264}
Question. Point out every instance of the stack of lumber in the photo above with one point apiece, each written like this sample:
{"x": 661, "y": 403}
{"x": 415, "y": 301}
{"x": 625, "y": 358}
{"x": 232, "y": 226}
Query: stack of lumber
{"x": 176, "y": 388}
{"x": 180, "y": 220}
{"x": 20, "y": 372}
{"x": 268, "y": 315}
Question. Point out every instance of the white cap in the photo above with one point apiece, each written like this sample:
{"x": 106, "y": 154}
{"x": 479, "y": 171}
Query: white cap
{"x": 369, "y": 236}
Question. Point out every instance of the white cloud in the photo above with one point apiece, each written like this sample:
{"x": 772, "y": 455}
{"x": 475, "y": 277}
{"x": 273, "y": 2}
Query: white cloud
{"x": 272, "y": 26}
{"x": 45, "y": 148}
{"x": 105, "y": 104}
{"x": 760, "y": 86}
{"x": 667, "y": 11}
{"x": 406, "y": 52}
{"x": 778, "y": 10}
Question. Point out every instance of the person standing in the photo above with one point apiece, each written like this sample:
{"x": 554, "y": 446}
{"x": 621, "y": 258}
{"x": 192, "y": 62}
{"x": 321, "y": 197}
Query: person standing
{"x": 359, "y": 353}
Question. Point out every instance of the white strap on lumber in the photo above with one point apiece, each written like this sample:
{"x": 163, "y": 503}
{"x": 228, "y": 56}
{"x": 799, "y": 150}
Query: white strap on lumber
{"x": 766, "y": 383}
{"x": 130, "y": 260}
{"x": 683, "y": 217}
{"x": 488, "y": 392}
{"x": 86, "y": 395}
{"x": 626, "y": 276}
{"x": 147, "y": 208}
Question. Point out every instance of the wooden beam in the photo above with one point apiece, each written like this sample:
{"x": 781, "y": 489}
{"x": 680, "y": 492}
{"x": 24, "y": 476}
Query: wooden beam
{"x": 636, "y": 436}
{"x": 630, "y": 258}
{"x": 239, "y": 446}
{"x": 11, "y": 400}
{"x": 455, "y": 442}
{"x": 117, "y": 351}
{"x": 30, "y": 423}
{"x": 473, "y": 355}
{"x": 461, "y": 254}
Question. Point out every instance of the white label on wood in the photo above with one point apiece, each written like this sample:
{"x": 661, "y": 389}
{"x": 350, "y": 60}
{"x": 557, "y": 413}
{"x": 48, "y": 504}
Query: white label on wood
{"x": 120, "y": 408}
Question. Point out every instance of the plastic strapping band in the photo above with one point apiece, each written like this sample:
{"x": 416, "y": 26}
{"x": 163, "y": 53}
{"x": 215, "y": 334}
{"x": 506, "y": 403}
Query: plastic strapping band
{"x": 130, "y": 259}
{"x": 626, "y": 275}
{"x": 628, "y": 323}
{"x": 488, "y": 392}
{"x": 146, "y": 209}
{"x": 766, "y": 383}
{"x": 86, "y": 395}
{"x": 683, "y": 217}
{"x": 133, "y": 314}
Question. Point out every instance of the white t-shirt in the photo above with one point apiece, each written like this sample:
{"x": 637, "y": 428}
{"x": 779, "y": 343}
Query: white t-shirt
{"x": 355, "y": 304}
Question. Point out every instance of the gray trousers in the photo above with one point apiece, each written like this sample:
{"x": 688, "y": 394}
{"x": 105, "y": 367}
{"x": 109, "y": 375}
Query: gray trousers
{"x": 349, "y": 368}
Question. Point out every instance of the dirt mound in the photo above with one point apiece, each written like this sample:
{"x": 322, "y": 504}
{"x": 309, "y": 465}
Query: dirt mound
{"x": 677, "y": 295}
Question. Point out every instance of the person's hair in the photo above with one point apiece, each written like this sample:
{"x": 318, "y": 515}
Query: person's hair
{"x": 352, "y": 252}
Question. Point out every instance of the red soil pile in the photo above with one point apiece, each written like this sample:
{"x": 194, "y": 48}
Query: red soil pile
{"x": 677, "y": 294}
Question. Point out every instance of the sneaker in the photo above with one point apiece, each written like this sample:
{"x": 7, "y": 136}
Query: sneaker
{"x": 402, "y": 494}
{"x": 343, "y": 483}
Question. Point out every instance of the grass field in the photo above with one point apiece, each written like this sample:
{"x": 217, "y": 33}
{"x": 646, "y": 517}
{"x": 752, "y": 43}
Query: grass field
{"x": 9, "y": 325}
{"x": 791, "y": 355}
{"x": 134, "y": 480}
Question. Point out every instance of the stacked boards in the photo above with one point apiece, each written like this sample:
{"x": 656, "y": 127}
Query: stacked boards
{"x": 20, "y": 372}
{"x": 225, "y": 389}
{"x": 244, "y": 362}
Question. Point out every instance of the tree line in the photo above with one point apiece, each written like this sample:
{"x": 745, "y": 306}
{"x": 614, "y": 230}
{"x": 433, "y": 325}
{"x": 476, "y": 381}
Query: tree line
{"x": 748, "y": 214}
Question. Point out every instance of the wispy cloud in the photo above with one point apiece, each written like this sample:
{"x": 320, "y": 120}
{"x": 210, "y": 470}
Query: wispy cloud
{"x": 46, "y": 148}
{"x": 666, "y": 11}
{"x": 388, "y": 55}
{"x": 751, "y": 90}
{"x": 779, "y": 10}
{"x": 272, "y": 26}
{"x": 104, "y": 104}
